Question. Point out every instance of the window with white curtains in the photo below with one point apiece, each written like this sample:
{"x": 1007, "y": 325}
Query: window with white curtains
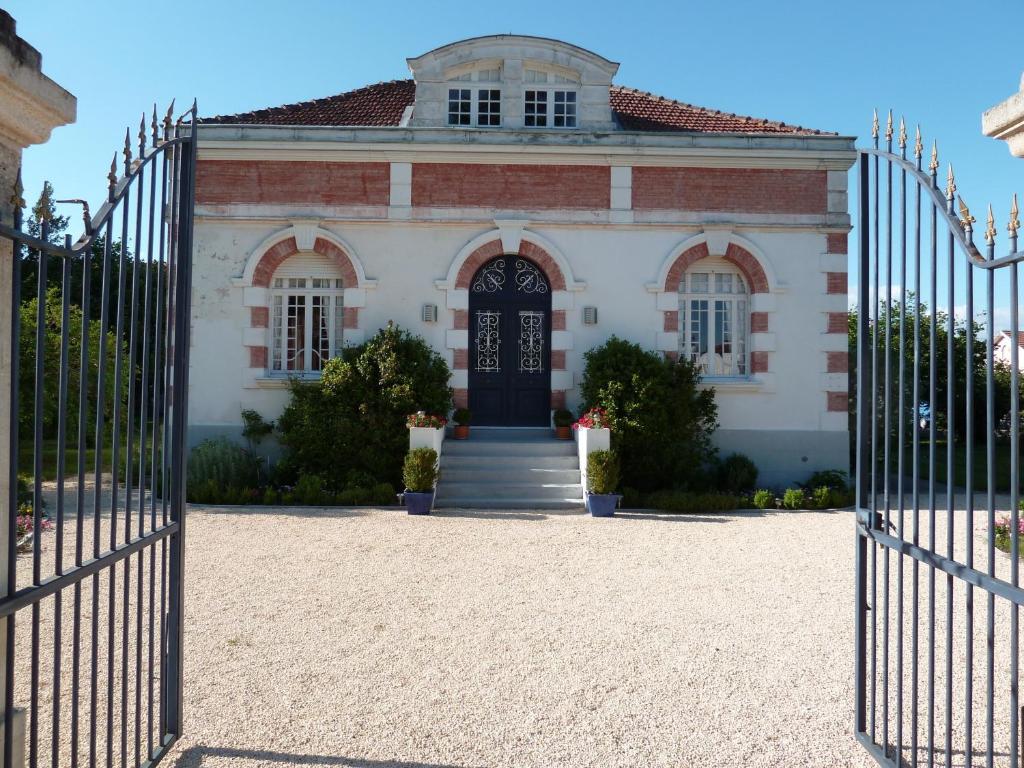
{"x": 714, "y": 318}
{"x": 306, "y": 315}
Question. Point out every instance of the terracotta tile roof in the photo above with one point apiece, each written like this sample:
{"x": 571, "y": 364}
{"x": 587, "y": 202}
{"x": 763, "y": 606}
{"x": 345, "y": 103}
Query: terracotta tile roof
{"x": 643, "y": 111}
{"x": 374, "y": 105}
{"x": 383, "y": 104}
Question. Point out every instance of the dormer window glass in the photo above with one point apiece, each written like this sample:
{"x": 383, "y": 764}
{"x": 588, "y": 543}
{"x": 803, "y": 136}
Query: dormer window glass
{"x": 473, "y": 106}
{"x": 554, "y": 108}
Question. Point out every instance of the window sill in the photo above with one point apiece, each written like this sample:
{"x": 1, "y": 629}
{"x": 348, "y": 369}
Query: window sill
{"x": 283, "y": 382}
{"x": 732, "y": 383}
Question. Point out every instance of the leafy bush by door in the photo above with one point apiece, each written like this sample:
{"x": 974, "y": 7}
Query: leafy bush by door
{"x": 661, "y": 422}
{"x": 353, "y": 419}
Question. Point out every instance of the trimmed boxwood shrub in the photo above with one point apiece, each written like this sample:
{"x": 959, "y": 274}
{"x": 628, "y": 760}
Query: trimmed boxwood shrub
{"x": 795, "y": 498}
{"x": 354, "y": 417}
{"x": 419, "y": 470}
{"x": 602, "y": 472}
{"x": 764, "y": 499}
{"x": 661, "y": 422}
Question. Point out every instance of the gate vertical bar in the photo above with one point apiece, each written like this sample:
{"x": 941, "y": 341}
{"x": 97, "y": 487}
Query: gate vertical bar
{"x": 179, "y": 395}
{"x": 863, "y": 445}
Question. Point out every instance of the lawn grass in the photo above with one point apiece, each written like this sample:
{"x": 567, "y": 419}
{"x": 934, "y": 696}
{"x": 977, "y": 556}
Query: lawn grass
{"x": 979, "y": 472}
{"x": 26, "y": 458}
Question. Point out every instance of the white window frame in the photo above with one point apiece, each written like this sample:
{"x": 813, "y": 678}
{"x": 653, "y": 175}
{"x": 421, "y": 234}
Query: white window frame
{"x": 286, "y": 289}
{"x": 551, "y": 99}
{"x": 488, "y": 80}
{"x": 714, "y": 363}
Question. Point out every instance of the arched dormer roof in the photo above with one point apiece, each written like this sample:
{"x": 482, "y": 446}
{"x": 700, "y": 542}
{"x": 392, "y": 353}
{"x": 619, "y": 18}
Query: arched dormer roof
{"x": 513, "y": 56}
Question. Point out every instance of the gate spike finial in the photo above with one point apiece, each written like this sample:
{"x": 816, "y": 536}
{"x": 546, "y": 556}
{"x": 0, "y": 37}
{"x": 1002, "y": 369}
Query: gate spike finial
{"x": 127, "y": 151}
{"x": 142, "y": 136}
{"x": 966, "y": 220}
{"x": 168, "y": 121}
{"x": 918, "y": 145}
{"x": 933, "y": 166}
{"x": 155, "y": 127}
{"x": 18, "y": 199}
{"x": 888, "y": 128}
{"x": 990, "y": 229}
{"x": 112, "y": 176}
{"x": 950, "y": 184}
{"x": 1014, "y": 224}
{"x": 903, "y": 134}
{"x": 874, "y": 126}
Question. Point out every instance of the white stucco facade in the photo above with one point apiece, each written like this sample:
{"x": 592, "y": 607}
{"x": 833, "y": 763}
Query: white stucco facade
{"x": 788, "y": 413}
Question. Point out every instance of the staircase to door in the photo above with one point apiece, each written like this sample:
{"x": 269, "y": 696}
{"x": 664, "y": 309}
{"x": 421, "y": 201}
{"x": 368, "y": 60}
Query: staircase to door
{"x": 510, "y": 469}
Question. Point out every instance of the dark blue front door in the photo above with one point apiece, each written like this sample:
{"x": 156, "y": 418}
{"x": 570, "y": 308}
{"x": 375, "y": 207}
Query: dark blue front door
{"x": 510, "y": 344}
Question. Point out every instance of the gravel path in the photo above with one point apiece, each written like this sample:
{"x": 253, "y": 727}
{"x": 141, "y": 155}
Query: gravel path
{"x": 372, "y": 638}
{"x": 378, "y": 639}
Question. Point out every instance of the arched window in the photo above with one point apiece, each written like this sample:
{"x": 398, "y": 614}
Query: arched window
{"x": 306, "y": 314}
{"x": 713, "y": 318}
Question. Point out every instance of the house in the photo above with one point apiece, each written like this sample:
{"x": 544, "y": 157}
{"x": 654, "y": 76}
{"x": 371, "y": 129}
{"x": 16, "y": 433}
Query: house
{"x": 515, "y": 206}
{"x": 1004, "y": 349}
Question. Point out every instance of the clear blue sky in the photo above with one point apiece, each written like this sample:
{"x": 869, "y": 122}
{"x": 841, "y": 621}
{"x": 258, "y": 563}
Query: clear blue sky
{"x": 819, "y": 63}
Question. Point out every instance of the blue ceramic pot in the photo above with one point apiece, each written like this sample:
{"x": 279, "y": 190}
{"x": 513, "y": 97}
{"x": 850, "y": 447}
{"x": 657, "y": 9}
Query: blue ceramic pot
{"x": 418, "y": 503}
{"x": 602, "y": 504}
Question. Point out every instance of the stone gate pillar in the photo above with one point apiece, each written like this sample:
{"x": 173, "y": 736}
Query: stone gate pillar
{"x": 1006, "y": 121}
{"x": 31, "y": 105}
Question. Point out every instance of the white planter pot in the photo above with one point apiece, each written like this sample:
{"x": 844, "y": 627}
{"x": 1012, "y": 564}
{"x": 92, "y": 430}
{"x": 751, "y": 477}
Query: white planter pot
{"x": 588, "y": 441}
{"x": 426, "y": 437}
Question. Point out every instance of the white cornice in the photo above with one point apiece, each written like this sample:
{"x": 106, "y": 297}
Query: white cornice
{"x": 819, "y": 159}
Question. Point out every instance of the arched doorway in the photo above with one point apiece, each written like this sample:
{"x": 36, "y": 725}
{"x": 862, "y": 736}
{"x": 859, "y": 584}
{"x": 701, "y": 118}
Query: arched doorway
{"x": 510, "y": 344}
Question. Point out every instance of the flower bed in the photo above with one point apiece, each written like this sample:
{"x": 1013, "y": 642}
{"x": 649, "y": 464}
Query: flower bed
{"x": 1004, "y": 533}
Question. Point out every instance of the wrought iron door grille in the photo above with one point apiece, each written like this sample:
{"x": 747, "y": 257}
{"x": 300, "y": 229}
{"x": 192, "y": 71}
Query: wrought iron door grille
{"x": 93, "y": 623}
{"x": 937, "y": 606}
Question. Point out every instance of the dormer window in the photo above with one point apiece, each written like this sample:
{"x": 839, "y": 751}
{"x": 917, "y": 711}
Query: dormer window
{"x": 471, "y": 105}
{"x": 553, "y": 107}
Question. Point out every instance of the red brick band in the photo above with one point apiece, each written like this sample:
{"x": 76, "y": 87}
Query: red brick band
{"x": 838, "y": 402}
{"x": 838, "y": 362}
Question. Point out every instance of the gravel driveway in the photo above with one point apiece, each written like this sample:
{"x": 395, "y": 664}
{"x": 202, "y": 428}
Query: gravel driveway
{"x": 372, "y": 638}
{"x": 378, "y": 639}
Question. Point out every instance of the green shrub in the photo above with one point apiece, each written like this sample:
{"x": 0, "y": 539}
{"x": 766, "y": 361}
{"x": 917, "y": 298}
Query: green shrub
{"x": 255, "y": 427}
{"x": 217, "y": 466}
{"x": 661, "y": 422}
{"x": 420, "y": 470}
{"x": 821, "y": 497}
{"x": 383, "y": 494}
{"x": 737, "y": 474}
{"x": 683, "y": 501}
{"x": 563, "y": 418}
{"x": 309, "y": 490}
{"x": 632, "y": 498}
{"x": 354, "y": 418}
{"x": 794, "y": 498}
{"x": 602, "y": 472}
{"x": 462, "y": 417}
{"x": 764, "y": 499}
{"x": 271, "y": 497}
{"x": 828, "y": 478}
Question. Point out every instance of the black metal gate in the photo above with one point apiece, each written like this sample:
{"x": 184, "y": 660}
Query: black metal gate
{"x": 93, "y": 612}
{"x": 938, "y": 455}
{"x": 510, "y": 328}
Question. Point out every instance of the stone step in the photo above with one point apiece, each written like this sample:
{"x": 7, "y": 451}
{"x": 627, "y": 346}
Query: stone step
{"x": 508, "y": 434}
{"x": 487, "y": 473}
{"x": 486, "y": 502}
{"x": 511, "y": 463}
{"x": 506, "y": 490}
{"x": 527, "y": 448}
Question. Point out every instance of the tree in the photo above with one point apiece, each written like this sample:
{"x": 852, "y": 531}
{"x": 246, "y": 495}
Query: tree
{"x": 661, "y": 421}
{"x": 51, "y": 370}
{"x": 352, "y": 423}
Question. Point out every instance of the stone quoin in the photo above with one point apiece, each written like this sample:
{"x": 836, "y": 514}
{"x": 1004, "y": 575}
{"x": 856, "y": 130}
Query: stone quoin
{"x": 511, "y": 183}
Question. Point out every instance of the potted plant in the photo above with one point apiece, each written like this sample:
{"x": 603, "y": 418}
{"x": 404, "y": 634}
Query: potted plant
{"x": 420, "y": 475}
{"x": 602, "y": 480}
{"x": 462, "y": 418}
{"x": 563, "y": 424}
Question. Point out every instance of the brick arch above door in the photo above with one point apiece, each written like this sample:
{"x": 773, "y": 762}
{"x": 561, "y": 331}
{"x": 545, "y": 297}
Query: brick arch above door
{"x": 514, "y": 240}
